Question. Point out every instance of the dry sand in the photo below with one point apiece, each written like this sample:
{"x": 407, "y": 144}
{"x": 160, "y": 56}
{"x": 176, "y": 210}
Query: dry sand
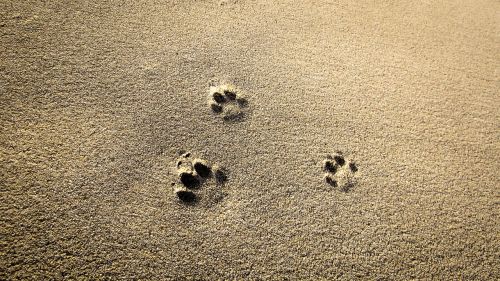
{"x": 98, "y": 100}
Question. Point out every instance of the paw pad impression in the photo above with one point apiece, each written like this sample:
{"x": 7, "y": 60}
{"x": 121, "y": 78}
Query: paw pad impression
{"x": 193, "y": 173}
{"x": 339, "y": 171}
{"x": 228, "y": 101}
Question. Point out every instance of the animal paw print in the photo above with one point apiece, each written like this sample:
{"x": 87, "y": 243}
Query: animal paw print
{"x": 227, "y": 101}
{"x": 193, "y": 173}
{"x": 339, "y": 171}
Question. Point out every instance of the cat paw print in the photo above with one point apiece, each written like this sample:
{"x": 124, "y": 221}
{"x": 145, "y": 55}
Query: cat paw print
{"x": 192, "y": 174}
{"x": 340, "y": 171}
{"x": 227, "y": 101}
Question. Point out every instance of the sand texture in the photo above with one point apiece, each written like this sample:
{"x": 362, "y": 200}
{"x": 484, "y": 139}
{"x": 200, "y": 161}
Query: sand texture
{"x": 249, "y": 140}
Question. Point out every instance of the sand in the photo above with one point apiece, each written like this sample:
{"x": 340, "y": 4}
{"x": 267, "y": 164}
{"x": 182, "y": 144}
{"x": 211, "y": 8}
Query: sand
{"x": 98, "y": 101}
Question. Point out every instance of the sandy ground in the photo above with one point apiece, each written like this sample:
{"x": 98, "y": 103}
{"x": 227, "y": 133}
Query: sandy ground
{"x": 98, "y": 101}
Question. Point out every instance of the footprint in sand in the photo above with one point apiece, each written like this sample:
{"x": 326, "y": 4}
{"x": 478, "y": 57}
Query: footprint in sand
{"x": 340, "y": 171}
{"x": 193, "y": 173}
{"x": 227, "y": 101}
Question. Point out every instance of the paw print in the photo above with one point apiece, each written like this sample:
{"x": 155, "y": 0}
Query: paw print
{"x": 227, "y": 101}
{"x": 193, "y": 173}
{"x": 339, "y": 171}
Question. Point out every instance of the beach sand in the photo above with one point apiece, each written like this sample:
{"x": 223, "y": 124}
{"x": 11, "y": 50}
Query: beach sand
{"x": 99, "y": 101}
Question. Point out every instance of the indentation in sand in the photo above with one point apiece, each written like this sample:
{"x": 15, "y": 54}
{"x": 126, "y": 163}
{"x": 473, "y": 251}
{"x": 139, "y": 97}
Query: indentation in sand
{"x": 340, "y": 171}
{"x": 228, "y": 101}
{"x": 193, "y": 174}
